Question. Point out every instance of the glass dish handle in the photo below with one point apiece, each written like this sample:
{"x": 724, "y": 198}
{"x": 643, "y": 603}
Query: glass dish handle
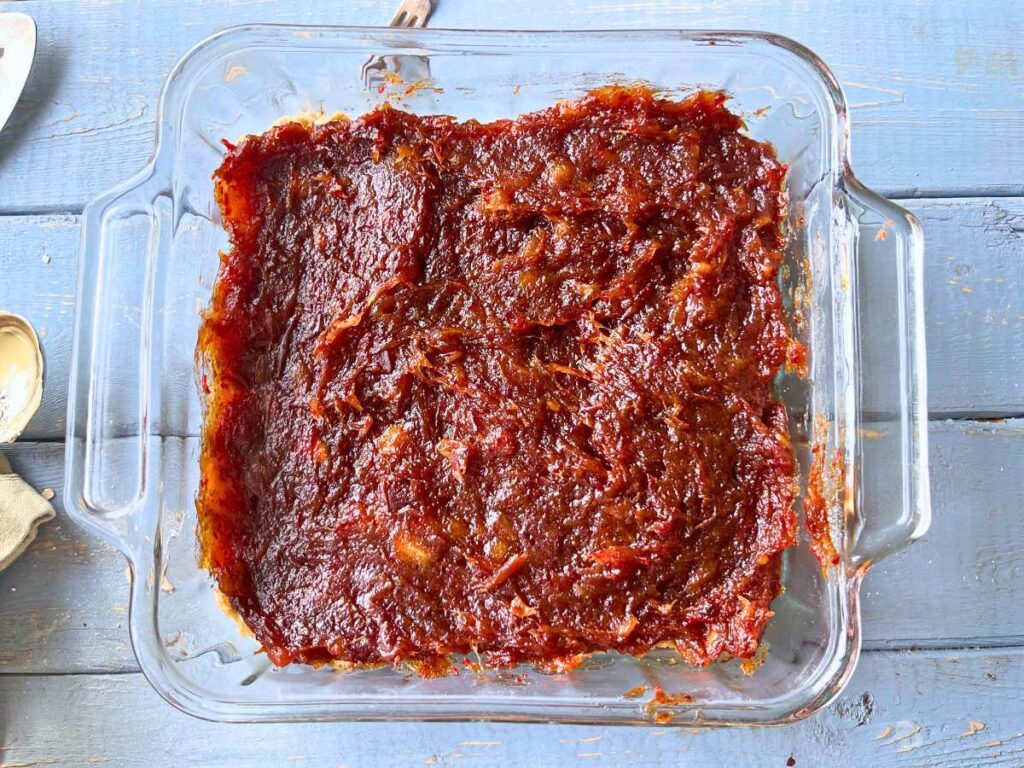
{"x": 891, "y": 482}
{"x": 109, "y": 475}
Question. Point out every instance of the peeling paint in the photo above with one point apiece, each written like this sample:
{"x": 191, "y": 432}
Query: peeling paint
{"x": 973, "y": 727}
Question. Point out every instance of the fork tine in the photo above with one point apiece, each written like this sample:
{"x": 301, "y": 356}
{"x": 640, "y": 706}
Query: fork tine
{"x": 411, "y": 14}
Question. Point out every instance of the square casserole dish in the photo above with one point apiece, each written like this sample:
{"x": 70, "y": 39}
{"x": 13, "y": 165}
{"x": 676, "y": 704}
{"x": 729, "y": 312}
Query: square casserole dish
{"x": 149, "y": 255}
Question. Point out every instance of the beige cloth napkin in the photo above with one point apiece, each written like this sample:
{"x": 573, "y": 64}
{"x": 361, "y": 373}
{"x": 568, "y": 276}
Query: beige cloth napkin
{"x": 22, "y": 511}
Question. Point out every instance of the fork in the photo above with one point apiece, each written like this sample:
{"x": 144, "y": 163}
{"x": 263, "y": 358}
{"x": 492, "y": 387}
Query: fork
{"x": 411, "y": 14}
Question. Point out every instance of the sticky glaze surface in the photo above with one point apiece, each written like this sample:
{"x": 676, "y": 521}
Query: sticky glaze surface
{"x": 503, "y": 388}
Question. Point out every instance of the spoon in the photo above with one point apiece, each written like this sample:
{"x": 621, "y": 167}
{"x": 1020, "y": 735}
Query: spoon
{"x": 21, "y": 375}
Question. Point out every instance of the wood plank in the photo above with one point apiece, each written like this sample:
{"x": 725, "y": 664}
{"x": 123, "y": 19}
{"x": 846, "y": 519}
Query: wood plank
{"x": 39, "y": 265}
{"x": 927, "y": 708}
{"x": 63, "y": 603}
{"x": 974, "y": 298}
{"x": 956, "y": 585}
{"x": 974, "y": 305}
{"x": 936, "y": 92}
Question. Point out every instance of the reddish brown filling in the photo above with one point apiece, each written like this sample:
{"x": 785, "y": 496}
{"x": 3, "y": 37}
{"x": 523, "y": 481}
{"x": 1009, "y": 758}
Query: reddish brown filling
{"x": 503, "y": 388}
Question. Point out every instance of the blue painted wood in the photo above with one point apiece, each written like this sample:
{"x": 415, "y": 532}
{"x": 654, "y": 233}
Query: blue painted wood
{"x": 946, "y": 708}
{"x": 974, "y": 299}
{"x": 937, "y": 98}
{"x": 936, "y": 90}
{"x": 38, "y": 271}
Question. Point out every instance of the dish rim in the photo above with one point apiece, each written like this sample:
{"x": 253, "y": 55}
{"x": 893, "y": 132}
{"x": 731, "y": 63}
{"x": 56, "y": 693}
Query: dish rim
{"x": 142, "y": 611}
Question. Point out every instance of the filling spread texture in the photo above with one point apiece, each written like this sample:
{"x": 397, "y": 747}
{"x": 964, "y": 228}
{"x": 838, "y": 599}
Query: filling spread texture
{"x": 501, "y": 388}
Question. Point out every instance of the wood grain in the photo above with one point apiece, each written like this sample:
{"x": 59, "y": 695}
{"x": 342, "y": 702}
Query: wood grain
{"x": 38, "y": 265}
{"x": 936, "y": 98}
{"x": 958, "y": 585}
{"x": 63, "y": 604}
{"x": 939, "y": 709}
{"x": 974, "y": 301}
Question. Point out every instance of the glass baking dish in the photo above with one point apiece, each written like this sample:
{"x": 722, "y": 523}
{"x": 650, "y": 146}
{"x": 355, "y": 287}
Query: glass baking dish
{"x": 149, "y": 256}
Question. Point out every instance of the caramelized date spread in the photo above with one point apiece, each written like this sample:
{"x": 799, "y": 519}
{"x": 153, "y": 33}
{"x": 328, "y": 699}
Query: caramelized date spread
{"x": 501, "y": 388}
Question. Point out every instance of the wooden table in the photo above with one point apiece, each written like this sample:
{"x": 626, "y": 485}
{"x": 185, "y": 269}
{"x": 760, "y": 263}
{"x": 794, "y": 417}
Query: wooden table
{"x": 937, "y": 99}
